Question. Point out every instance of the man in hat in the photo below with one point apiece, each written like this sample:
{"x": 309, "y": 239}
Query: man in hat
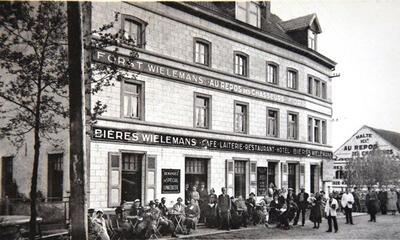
{"x": 137, "y": 211}
{"x": 330, "y": 212}
{"x": 224, "y": 208}
{"x": 251, "y": 207}
{"x": 164, "y": 224}
{"x": 302, "y": 203}
{"x": 125, "y": 229}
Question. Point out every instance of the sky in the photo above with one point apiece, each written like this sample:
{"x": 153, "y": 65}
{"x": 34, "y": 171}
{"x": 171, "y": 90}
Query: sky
{"x": 363, "y": 37}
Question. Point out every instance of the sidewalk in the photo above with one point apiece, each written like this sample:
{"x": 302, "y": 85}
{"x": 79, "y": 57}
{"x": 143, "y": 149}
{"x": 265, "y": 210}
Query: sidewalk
{"x": 203, "y": 231}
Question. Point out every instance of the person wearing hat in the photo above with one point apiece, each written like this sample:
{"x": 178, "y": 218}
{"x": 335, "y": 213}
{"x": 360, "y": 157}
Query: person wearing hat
{"x": 99, "y": 226}
{"x": 125, "y": 229}
{"x": 392, "y": 201}
{"x": 179, "y": 210}
{"x": 224, "y": 208}
{"x": 301, "y": 201}
{"x": 290, "y": 195}
{"x": 251, "y": 207}
{"x": 166, "y": 226}
{"x": 372, "y": 202}
{"x": 192, "y": 215}
{"x": 331, "y": 208}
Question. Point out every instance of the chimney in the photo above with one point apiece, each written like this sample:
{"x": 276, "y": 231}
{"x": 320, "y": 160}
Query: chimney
{"x": 265, "y": 8}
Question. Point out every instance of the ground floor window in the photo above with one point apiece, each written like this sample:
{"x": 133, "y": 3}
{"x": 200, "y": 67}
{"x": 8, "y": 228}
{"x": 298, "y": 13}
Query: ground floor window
{"x": 55, "y": 176}
{"x": 131, "y": 175}
{"x": 240, "y": 178}
{"x": 292, "y": 175}
{"x": 314, "y": 178}
{"x": 7, "y": 184}
{"x": 196, "y": 172}
{"x": 271, "y": 173}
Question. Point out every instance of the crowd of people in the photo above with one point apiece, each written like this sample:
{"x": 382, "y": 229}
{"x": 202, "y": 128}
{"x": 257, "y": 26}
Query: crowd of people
{"x": 279, "y": 207}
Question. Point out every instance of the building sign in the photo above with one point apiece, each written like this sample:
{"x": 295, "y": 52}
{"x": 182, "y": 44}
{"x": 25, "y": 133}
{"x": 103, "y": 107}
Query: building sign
{"x": 190, "y": 77}
{"x": 262, "y": 181}
{"x": 170, "y": 180}
{"x": 328, "y": 172}
{"x": 163, "y": 139}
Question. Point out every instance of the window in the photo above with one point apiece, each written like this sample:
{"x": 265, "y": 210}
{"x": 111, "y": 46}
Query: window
{"x": 131, "y": 175}
{"x": 248, "y": 12}
{"x": 133, "y": 99}
{"x": 317, "y": 87}
{"x": 55, "y": 177}
{"x": 240, "y": 120}
{"x": 241, "y": 64}
{"x": 134, "y": 28}
{"x": 312, "y": 40}
{"x": 292, "y": 79}
{"x": 240, "y": 178}
{"x": 201, "y": 111}
{"x": 202, "y": 52}
{"x": 316, "y": 130}
{"x": 272, "y": 123}
{"x": 272, "y": 73}
{"x": 292, "y": 126}
{"x": 8, "y": 187}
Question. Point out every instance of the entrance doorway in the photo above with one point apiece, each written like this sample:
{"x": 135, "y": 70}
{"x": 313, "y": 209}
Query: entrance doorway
{"x": 55, "y": 177}
{"x": 240, "y": 179}
{"x": 131, "y": 187}
{"x": 196, "y": 172}
{"x": 292, "y": 176}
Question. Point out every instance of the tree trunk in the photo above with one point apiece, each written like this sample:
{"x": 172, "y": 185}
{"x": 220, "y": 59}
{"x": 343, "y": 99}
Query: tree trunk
{"x": 33, "y": 193}
{"x": 78, "y": 207}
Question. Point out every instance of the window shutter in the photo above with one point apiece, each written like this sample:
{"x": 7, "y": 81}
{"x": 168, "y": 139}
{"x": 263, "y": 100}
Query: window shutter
{"x": 316, "y": 177}
{"x": 114, "y": 179}
{"x": 230, "y": 177}
{"x": 285, "y": 183}
{"x": 302, "y": 175}
{"x": 151, "y": 170}
{"x": 253, "y": 177}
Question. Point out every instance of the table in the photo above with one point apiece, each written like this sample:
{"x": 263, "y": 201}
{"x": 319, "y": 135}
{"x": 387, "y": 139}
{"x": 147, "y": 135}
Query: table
{"x": 178, "y": 219}
{"x": 10, "y": 225}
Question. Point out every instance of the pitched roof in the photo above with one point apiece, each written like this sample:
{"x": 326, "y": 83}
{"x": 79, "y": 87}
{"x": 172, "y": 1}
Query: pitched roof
{"x": 301, "y": 23}
{"x": 390, "y": 136}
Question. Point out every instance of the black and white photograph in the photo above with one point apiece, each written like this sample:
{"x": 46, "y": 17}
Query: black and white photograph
{"x": 124, "y": 120}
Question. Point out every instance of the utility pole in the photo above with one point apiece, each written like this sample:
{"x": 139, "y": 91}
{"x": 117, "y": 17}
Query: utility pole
{"x": 77, "y": 203}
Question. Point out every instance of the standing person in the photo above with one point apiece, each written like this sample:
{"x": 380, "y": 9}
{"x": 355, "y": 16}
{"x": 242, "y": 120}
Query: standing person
{"x": 211, "y": 212}
{"x": 392, "y": 201}
{"x": 315, "y": 213}
{"x": 371, "y": 200}
{"x": 383, "y": 199}
{"x": 302, "y": 204}
{"x": 194, "y": 194}
{"x": 203, "y": 202}
{"x": 224, "y": 208}
{"x": 356, "y": 196}
{"x": 251, "y": 207}
{"x": 347, "y": 204}
{"x": 290, "y": 195}
{"x": 330, "y": 211}
{"x": 187, "y": 193}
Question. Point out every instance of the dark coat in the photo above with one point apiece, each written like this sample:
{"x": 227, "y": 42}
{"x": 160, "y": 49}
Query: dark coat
{"x": 224, "y": 203}
{"x": 303, "y": 203}
{"x": 372, "y": 202}
{"x": 315, "y": 213}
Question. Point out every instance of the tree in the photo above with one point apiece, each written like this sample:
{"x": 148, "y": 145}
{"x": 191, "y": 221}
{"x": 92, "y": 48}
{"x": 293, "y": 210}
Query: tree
{"x": 34, "y": 74}
{"x": 376, "y": 167}
{"x": 34, "y": 85}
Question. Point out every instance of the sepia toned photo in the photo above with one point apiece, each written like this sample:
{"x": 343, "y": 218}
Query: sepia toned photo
{"x": 137, "y": 119}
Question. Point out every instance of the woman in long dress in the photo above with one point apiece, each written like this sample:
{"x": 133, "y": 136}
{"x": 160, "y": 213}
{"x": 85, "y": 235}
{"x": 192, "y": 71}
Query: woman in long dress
{"x": 392, "y": 201}
{"x": 315, "y": 213}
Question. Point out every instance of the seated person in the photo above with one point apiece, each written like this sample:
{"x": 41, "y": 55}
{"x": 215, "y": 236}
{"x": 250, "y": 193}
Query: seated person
{"x": 259, "y": 213}
{"x": 242, "y": 210}
{"x": 159, "y": 221}
{"x": 288, "y": 212}
{"x": 125, "y": 229}
{"x": 138, "y": 212}
{"x": 192, "y": 215}
{"x": 164, "y": 210}
{"x": 179, "y": 210}
{"x": 99, "y": 226}
{"x": 274, "y": 206}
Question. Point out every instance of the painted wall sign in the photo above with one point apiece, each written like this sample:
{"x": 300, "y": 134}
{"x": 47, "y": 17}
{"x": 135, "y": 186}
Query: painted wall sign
{"x": 142, "y": 137}
{"x": 190, "y": 77}
{"x": 170, "y": 180}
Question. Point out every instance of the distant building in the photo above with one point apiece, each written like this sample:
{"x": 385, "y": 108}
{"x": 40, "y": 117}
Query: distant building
{"x": 361, "y": 144}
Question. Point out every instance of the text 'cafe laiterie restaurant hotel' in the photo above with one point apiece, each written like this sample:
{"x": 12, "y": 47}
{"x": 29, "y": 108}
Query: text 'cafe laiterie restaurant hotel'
{"x": 228, "y": 95}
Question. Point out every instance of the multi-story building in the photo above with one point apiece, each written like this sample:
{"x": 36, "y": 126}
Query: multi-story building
{"x": 227, "y": 94}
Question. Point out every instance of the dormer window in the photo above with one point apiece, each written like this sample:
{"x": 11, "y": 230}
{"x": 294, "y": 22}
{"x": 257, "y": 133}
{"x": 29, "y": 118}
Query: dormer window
{"x": 312, "y": 39}
{"x": 248, "y": 12}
